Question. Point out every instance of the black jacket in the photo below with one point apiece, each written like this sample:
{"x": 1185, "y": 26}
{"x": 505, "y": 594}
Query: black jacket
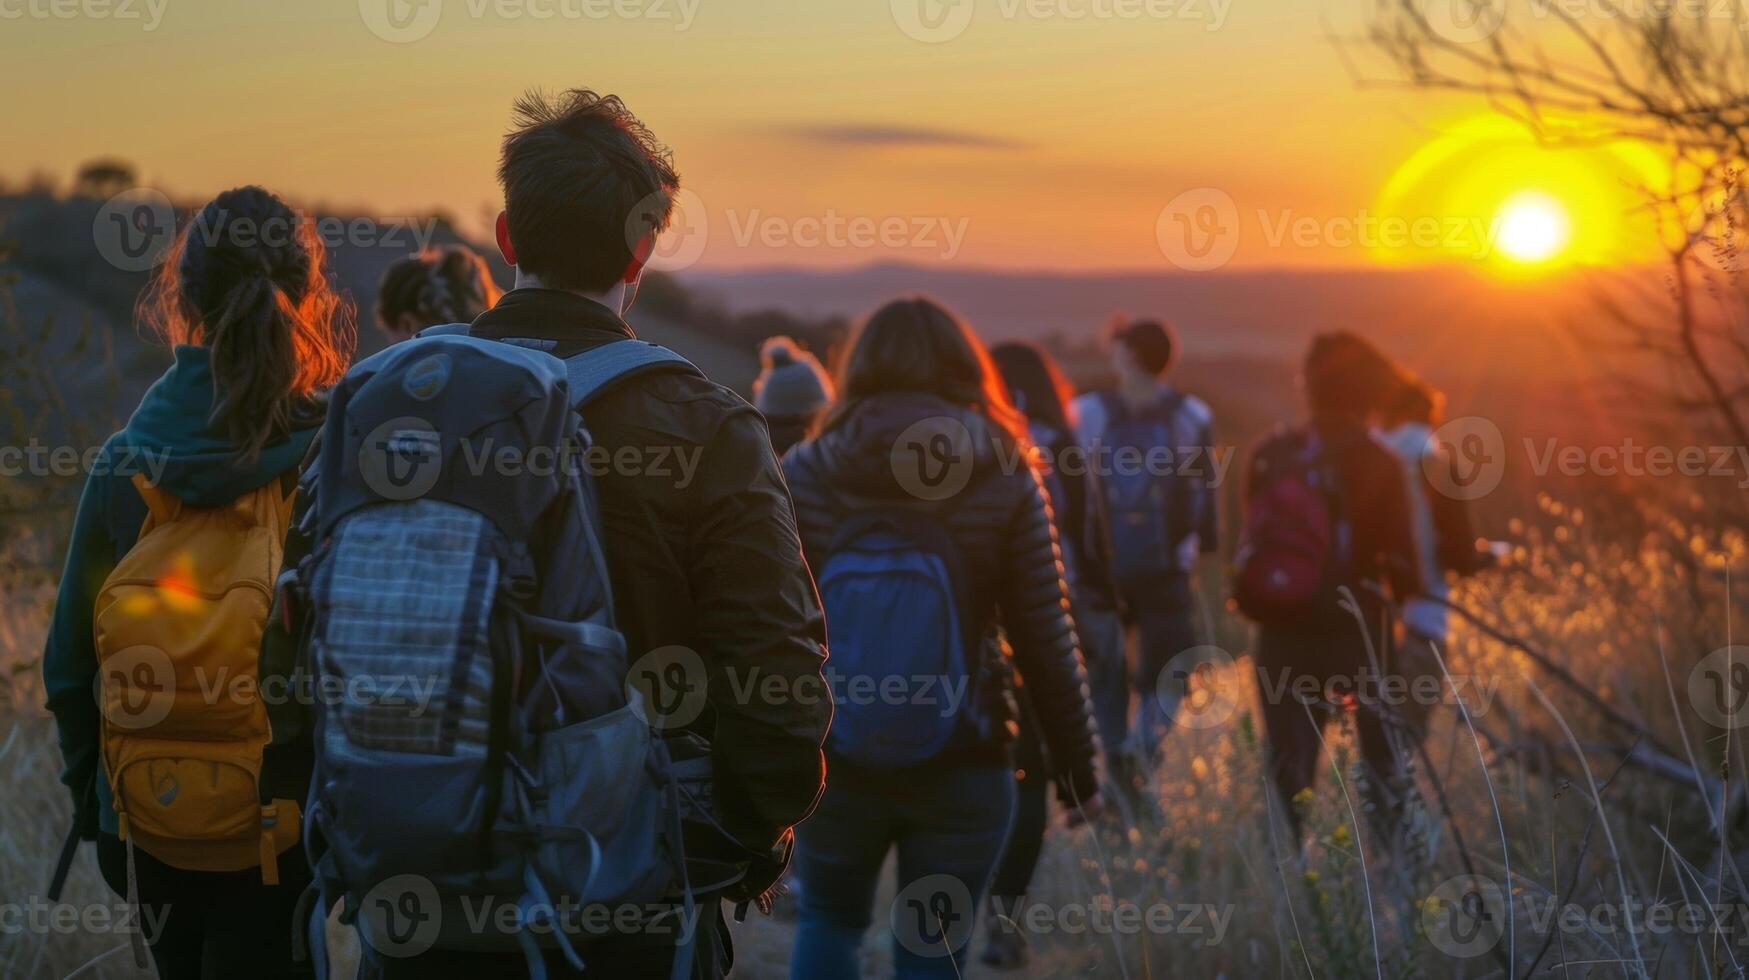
{"x": 1083, "y": 521}
{"x": 703, "y": 553}
{"x": 1000, "y": 522}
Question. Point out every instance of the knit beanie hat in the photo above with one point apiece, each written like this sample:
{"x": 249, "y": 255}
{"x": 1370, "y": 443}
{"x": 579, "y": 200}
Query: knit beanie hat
{"x": 791, "y": 382}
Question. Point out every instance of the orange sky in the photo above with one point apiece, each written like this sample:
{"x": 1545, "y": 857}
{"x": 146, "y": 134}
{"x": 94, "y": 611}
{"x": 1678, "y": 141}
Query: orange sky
{"x": 1030, "y": 133}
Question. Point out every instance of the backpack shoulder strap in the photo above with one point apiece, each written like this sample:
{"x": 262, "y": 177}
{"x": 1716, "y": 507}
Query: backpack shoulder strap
{"x": 594, "y": 371}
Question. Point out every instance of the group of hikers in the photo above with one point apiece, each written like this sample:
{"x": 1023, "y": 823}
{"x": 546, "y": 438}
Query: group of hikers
{"x": 349, "y": 532}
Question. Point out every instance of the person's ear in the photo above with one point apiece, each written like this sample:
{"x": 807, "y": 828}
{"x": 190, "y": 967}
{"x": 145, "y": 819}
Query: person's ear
{"x": 640, "y": 257}
{"x": 502, "y": 229}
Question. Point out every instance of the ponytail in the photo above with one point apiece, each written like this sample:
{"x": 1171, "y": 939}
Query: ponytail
{"x": 248, "y": 280}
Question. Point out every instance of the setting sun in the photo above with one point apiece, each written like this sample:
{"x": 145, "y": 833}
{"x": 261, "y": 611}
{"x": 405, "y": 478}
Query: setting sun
{"x": 1531, "y": 227}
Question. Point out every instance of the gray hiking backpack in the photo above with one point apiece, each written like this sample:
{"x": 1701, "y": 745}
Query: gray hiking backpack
{"x": 485, "y": 778}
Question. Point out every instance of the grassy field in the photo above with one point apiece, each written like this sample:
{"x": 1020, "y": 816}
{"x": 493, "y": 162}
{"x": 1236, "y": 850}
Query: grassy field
{"x": 1593, "y": 818}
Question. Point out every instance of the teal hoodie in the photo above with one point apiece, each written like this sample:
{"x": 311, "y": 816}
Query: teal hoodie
{"x": 173, "y": 440}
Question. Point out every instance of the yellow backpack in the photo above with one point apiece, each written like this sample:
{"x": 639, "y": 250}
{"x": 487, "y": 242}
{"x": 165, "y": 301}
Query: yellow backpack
{"x": 178, "y": 630}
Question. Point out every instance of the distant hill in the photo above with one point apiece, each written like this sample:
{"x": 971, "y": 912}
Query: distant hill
{"x": 1446, "y": 316}
{"x": 65, "y": 282}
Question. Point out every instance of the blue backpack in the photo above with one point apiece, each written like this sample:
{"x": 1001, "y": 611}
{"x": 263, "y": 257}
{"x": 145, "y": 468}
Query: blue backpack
{"x": 477, "y": 745}
{"x": 1151, "y": 512}
{"x": 893, "y": 585}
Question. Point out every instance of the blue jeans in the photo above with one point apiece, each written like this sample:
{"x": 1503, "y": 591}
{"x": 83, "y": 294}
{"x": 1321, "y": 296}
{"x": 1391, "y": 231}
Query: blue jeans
{"x": 1165, "y": 611}
{"x": 948, "y": 823}
{"x": 1102, "y": 645}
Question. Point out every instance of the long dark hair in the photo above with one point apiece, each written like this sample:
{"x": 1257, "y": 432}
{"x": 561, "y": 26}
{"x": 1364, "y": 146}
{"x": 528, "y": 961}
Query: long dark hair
{"x": 915, "y": 344}
{"x": 248, "y": 279}
{"x": 1035, "y": 383}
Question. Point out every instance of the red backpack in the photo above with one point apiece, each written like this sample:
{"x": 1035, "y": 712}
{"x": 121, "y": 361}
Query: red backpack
{"x": 1296, "y": 537}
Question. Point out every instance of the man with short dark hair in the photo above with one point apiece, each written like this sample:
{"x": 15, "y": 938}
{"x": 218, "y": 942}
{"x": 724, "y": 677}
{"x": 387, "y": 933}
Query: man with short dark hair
{"x": 698, "y": 529}
{"x": 1153, "y": 446}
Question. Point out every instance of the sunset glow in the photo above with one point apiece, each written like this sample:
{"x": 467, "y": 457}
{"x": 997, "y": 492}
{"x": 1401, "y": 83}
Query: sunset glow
{"x": 1531, "y": 227}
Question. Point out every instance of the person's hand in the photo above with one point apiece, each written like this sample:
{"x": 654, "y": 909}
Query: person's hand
{"x": 1089, "y": 811}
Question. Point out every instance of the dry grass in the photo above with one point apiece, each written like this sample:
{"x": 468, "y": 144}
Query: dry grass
{"x": 1602, "y": 608}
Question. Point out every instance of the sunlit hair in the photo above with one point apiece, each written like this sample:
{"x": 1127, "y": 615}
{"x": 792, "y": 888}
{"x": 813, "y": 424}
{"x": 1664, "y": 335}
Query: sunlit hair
{"x": 248, "y": 279}
{"x": 451, "y": 284}
{"x": 1036, "y": 384}
{"x": 915, "y": 344}
{"x": 584, "y": 182}
{"x": 1347, "y": 376}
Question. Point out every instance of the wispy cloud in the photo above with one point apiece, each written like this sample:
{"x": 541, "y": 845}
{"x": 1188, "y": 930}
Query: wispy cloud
{"x": 882, "y": 135}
